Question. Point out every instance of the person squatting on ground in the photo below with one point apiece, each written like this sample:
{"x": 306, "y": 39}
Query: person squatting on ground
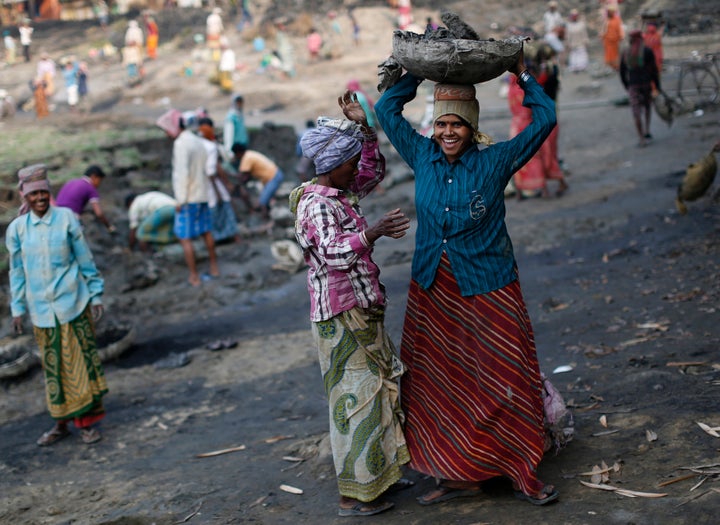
{"x": 53, "y": 278}
{"x": 472, "y": 393}
{"x": 641, "y": 78}
{"x": 77, "y": 193}
{"x": 359, "y": 365}
{"x": 192, "y": 213}
{"x": 151, "y": 216}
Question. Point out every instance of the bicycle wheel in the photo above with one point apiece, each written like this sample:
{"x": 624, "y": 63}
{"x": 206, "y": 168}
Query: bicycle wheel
{"x": 697, "y": 86}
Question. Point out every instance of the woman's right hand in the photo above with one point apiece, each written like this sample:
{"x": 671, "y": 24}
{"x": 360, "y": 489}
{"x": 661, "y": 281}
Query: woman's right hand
{"x": 17, "y": 324}
{"x": 351, "y": 108}
{"x": 393, "y": 224}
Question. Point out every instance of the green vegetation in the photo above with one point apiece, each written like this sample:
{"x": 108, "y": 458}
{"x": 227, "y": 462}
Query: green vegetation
{"x": 46, "y": 144}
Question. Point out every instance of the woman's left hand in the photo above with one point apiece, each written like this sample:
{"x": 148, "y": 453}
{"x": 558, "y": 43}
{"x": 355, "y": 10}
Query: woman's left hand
{"x": 519, "y": 65}
{"x": 351, "y": 108}
{"x": 97, "y": 312}
{"x": 17, "y": 324}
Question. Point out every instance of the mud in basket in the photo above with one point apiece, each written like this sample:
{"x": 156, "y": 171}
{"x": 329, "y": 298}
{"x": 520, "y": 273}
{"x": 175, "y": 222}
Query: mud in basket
{"x": 454, "y": 61}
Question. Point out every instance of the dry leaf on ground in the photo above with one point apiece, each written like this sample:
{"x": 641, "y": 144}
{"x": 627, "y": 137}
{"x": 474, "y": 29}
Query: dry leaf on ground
{"x": 713, "y": 431}
{"x": 290, "y": 489}
{"x": 275, "y": 439}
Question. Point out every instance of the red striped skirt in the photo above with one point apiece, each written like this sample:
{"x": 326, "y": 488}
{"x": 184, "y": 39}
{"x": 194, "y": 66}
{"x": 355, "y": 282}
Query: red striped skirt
{"x": 472, "y": 390}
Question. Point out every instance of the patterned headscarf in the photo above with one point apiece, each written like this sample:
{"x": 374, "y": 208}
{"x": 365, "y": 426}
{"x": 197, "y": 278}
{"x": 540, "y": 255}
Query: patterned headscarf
{"x": 30, "y": 179}
{"x": 331, "y": 143}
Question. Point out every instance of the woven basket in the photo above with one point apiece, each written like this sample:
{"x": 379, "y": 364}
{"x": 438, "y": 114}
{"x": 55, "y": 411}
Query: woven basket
{"x": 455, "y": 61}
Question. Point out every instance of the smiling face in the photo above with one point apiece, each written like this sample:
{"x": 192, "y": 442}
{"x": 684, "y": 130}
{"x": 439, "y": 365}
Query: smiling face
{"x": 342, "y": 177}
{"x": 39, "y": 201}
{"x": 453, "y": 135}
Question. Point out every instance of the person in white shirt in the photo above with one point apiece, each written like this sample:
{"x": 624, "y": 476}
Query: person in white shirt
{"x": 134, "y": 35}
{"x": 26, "y": 38}
{"x": 226, "y": 67}
{"x": 192, "y": 213}
{"x": 552, "y": 17}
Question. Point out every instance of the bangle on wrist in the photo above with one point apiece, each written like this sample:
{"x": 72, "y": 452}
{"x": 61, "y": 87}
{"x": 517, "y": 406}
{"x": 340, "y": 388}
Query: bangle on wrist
{"x": 524, "y": 75}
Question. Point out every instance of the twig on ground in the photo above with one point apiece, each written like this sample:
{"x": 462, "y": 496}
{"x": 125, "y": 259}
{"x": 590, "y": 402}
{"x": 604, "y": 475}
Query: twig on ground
{"x": 675, "y": 480}
{"x": 220, "y": 452}
{"x": 191, "y": 515}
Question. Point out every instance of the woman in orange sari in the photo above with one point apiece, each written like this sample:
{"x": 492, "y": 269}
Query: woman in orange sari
{"x": 612, "y": 36}
{"x": 41, "y": 105}
{"x": 153, "y": 35}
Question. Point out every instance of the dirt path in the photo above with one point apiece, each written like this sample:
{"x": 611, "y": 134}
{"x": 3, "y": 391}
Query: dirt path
{"x": 619, "y": 287}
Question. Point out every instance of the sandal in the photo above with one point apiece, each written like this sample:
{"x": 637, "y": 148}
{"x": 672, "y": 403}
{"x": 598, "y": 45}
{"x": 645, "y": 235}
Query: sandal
{"x": 550, "y": 495}
{"x": 401, "y": 484}
{"x": 365, "y": 509}
{"x": 90, "y": 435}
{"x": 446, "y": 493}
{"x": 52, "y": 436}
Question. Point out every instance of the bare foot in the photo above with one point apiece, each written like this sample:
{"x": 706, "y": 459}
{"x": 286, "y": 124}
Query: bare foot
{"x": 194, "y": 280}
{"x": 448, "y": 490}
{"x": 562, "y": 189}
{"x": 541, "y": 497}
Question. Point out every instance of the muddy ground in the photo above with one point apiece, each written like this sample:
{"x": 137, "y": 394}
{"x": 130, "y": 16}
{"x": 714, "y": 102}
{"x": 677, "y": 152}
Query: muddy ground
{"x": 620, "y": 287}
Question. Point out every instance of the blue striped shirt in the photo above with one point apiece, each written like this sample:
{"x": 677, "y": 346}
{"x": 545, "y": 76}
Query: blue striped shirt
{"x": 461, "y": 205}
{"x": 52, "y": 272}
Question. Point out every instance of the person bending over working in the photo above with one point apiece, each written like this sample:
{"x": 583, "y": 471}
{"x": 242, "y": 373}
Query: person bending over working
{"x": 359, "y": 365}
{"x": 472, "y": 390}
{"x": 76, "y": 193}
{"x": 253, "y": 164}
{"x": 151, "y": 216}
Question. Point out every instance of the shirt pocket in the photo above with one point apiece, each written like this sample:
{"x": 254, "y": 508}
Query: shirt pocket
{"x": 476, "y": 207}
{"x": 59, "y": 255}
